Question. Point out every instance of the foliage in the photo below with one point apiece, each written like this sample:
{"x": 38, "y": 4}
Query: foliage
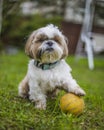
{"x": 20, "y": 114}
{"x": 16, "y": 28}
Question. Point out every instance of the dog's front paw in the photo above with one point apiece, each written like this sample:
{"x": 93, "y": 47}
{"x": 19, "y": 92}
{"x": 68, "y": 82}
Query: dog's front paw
{"x": 40, "y": 105}
{"x": 79, "y": 91}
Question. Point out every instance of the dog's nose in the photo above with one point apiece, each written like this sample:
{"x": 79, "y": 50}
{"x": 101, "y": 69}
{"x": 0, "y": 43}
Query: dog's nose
{"x": 49, "y": 43}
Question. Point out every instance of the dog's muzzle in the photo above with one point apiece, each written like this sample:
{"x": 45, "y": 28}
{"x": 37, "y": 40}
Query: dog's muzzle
{"x": 48, "y": 47}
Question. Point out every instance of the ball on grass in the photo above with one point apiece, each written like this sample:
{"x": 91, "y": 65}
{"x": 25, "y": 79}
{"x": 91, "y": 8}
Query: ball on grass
{"x": 71, "y": 103}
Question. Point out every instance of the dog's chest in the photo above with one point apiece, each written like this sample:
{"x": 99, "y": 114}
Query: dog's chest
{"x": 48, "y": 79}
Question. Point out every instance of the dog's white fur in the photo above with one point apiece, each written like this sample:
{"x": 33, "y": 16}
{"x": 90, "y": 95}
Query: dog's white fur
{"x": 37, "y": 82}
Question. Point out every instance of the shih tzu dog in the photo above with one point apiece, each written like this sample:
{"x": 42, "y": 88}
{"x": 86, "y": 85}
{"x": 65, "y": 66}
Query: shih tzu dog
{"x": 47, "y": 69}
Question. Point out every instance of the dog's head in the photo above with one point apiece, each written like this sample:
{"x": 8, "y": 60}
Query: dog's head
{"x": 47, "y": 45}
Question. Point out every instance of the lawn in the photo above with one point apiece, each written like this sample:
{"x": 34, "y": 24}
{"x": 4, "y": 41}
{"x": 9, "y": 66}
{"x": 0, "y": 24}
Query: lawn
{"x": 20, "y": 114}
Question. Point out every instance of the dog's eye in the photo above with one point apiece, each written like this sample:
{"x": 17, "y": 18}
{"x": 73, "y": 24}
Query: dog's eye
{"x": 57, "y": 39}
{"x": 41, "y": 39}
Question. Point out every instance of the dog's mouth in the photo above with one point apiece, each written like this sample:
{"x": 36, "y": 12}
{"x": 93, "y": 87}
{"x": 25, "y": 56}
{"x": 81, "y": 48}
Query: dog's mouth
{"x": 49, "y": 49}
{"x": 41, "y": 52}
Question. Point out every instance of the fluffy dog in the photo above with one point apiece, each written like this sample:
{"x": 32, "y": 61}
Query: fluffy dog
{"x": 47, "y": 69}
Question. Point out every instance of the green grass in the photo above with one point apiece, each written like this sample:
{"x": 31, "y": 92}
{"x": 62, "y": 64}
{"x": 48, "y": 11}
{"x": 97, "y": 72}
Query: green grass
{"x": 20, "y": 114}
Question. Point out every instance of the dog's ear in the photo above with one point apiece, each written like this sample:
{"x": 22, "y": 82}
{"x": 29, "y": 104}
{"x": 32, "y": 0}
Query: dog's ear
{"x": 28, "y": 50}
{"x": 65, "y": 51}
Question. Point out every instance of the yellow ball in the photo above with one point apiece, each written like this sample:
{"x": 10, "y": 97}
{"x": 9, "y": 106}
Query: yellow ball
{"x": 71, "y": 103}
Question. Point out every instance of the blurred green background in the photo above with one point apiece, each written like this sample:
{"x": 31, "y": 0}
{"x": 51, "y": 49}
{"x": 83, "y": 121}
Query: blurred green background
{"x": 17, "y": 25}
{"x": 18, "y": 18}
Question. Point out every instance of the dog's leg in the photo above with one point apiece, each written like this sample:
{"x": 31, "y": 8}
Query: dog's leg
{"x": 23, "y": 88}
{"x": 71, "y": 86}
{"x": 53, "y": 94}
{"x": 37, "y": 96}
